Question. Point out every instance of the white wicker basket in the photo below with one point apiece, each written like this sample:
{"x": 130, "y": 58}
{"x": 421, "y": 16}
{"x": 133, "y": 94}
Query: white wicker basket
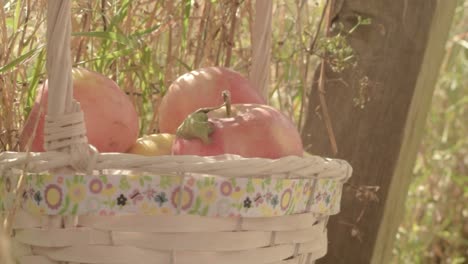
{"x": 78, "y": 206}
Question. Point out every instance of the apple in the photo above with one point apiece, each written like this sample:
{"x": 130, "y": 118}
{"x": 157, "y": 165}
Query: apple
{"x": 153, "y": 145}
{"x": 110, "y": 118}
{"x": 201, "y": 88}
{"x": 248, "y": 130}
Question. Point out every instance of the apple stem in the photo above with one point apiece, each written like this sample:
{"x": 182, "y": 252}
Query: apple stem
{"x": 227, "y": 102}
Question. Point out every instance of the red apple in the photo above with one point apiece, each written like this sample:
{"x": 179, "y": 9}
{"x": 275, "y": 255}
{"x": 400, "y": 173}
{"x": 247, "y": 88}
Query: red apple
{"x": 250, "y": 130}
{"x": 201, "y": 88}
{"x": 110, "y": 117}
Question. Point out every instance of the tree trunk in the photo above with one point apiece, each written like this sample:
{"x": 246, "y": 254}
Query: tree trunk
{"x": 378, "y": 111}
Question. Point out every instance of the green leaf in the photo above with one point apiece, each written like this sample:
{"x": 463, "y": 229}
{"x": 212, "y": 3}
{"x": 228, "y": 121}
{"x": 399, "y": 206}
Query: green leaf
{"x": 185, "y": 65}
{"x": 279, "y": 185}
{"x": 206, "y": 181}
{"x": 146, "y": 31}
{"x": 68, "y": 182}
{"x": 10, "y": 22}
{"x": 19, "y": 60}
{"x": 233, "y": 182}
{"x": 120, "y": 14}
{"x": 34, "y": 80}
{"x": 250, "y": 187}
{"x": 124, "y": 185}
{"x": 185, "y": 23}
{"x": 106, "y": 35}
{"x": 17, "y": 15}
{"x": 199, "y": 184}
{"x": 197, "y": 203}
{"x": 110, "y": 56}
{"x": 148, "y": 178}
{"x": 74, "y": 209}
{"x": 65, "y": 205}
{"x": 196, "y": 126}
{"x": 40, "y": 180}
{"x": 165, "y": 181}
{"x": 196, "y": 206}
{"x": 103, "y": 179}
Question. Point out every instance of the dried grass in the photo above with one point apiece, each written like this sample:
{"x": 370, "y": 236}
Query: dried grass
{"x": 145, "y": 45}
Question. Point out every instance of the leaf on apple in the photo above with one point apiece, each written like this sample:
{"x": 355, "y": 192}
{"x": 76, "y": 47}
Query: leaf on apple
{"x": 196, "y": 125}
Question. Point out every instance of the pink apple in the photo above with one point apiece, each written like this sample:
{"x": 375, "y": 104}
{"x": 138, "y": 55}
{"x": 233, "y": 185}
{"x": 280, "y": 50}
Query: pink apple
{"x": 252, "y": 130}
{"x": 110, "y": 117}
{"x": 202, "y": 88}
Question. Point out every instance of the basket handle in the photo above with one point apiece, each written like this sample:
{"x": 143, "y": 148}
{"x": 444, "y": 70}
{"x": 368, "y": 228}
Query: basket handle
{"x": 261, "y": 45}
{"x": 64, "y": 123}
{"x": 58, "y": 61}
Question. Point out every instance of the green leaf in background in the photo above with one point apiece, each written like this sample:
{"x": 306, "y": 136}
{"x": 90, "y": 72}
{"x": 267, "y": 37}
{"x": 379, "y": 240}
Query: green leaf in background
{"x": 144, "y": 32}
{"x": 185, "y": 65}
{"x": 121, "y": 13}
{"x": 17, "y": 15}
{"x": 14, "y": 63}
{"x": 186, "y": 16}
{"x": 110, "y": 56}
{"x": 107, "y": 35}
{"x": 438, "y": 195}
{"x": 34, "y": 79}
{"x": 10, "y": 22}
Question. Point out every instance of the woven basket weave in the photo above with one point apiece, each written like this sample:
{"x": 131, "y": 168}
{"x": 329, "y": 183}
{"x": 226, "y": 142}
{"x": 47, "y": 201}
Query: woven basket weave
{"x": 75, "y": 205}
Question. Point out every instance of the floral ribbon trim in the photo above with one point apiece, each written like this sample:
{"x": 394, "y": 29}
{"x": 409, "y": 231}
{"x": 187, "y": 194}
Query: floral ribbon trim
{"x": 64, "y": 194}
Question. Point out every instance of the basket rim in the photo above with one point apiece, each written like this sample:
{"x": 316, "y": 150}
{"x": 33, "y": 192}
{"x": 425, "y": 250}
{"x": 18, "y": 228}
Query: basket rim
{"x": 227, "y": 165}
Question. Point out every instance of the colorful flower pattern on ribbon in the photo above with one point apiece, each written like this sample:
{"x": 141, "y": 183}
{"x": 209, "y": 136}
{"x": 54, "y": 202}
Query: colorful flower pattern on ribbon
{"x": 60, "y": 194}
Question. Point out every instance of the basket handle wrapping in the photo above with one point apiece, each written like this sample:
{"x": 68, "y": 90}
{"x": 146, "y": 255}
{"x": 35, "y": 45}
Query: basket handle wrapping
{"x": 261, "y": 44}
{"x": 64, "y": 123}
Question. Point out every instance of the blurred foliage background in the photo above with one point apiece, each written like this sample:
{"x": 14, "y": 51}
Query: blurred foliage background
{"x": 435, "y": 227}
{"x": 144, "y": 45}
